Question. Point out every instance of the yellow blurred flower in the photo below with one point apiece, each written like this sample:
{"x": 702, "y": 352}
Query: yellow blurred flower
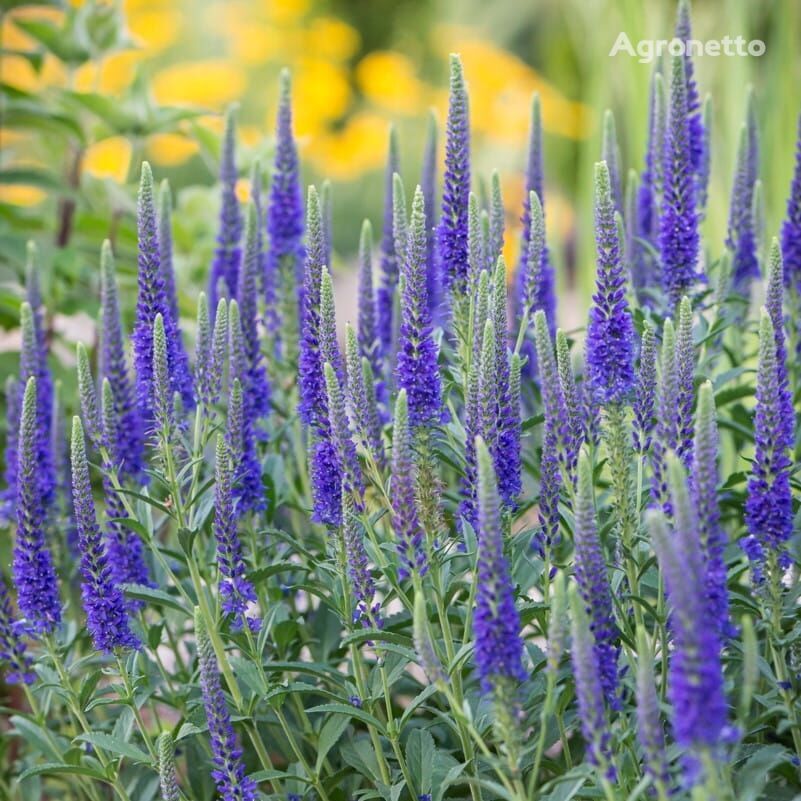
{"x": 360, "y": 146}
{"x": 109, "y": 158}
{"x": 156, "y": 29}
{"x": 214, "y": 83}
{"x": 242, "y": 190}
{"x": 332, "y": 38}
{"x": 252, "y": 41}
{"x": 388, "y": 79}
{"x": 21, "y": 195}
{"x": 321, "y": 93}
{"x": 250, "y": 135}
{"x": 285, "y": 11}
{"x": 171, "y": 149}
{"x": 111, "y": 76}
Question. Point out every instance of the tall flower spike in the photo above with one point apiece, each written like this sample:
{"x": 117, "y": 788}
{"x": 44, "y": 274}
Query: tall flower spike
{"x": 488, "y": 387}
{"x": 741, "y": 239}
{"x": 610, "y": 332}
{"x": 250, "y": 269}
{"x": 704, "y": 482}
{"x": 550, "y": 494}
{"x": 32, "y": 365}
{"x": 152, "y": 301}
{"x": 229, "y": 769}
{"x": 695, "y": 124}
{"x": 87, "y": 393}
{"x": 695, "y": 686}
{"x": 285, "y": 224}
{"x": 424, "y": 647}
{"x": 650, "y": 188}
{"x": 496, "y": 625}
{"x": 428, "y": 183}
{"x": 650, "y": 730}
{"x": 343, "y": 439}
{"x": 61, "y": 464}
{"x": 678, "y": 239}
{"x": 113, "y": 366}
{"x": 369, "y": 345}
{"x": 13, "y": 656}
{"x": 645, "y": 394}
{"x": 266, "y": 288}
{"x": 405, "y": 516}
{"x": 211, "y": 351}
{"x": 248, "y": 488}
{"x": 589, "y": 691}
{"x": 165, "y": 248}
{"x": 327, "y": 209}
{"x": 400, "y": 227}
{"x": 667, "y": 433}
{"x": 362, "y": 403}
{"x": 705, "y": 165}
{"x": 236, "y": 591}
{"x": 417, "y": 371}
{"x": 311, "y": 383}
{"x": 497, "y": 222}
{"x": 168, "y": 778}
{"x": 768, "y": 506}
{"x": 791, "y": 227}
{"x": 106, "y": 614}
{"x": 390, "y": 258}
{"x": 534, "y": 282}
{"x": 452, "y": 230}
{"x": 13, "y": 412}
{"x": 593, "y": 583}
{"x": 162, "y": 401}
{"x": 34, "y": 574}
{"x": 685, "y": 377}
{"x": 476, "y": 260}
{"x": 329, "y": 341}
{"x": 572, "y": 401}
{"x": 125, "y": 549}
{"x": 774, "y": 303}
{"x": 362, "y": 586}
{"x": 610, "y": 153}
{"x": 225, "y": 266}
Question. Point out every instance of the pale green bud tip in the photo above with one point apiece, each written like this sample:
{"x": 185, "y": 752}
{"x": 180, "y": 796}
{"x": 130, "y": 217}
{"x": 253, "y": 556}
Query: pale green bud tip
{"x": 147, "y": 176}
{"x": 457, "y": 72}
{"x": 602, "y": 185}
{"x": 366, "y": 237}
{"x": 77, "y": 436}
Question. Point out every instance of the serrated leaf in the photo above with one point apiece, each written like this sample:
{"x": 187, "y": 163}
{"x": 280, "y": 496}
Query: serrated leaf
{"x": 329, "y": 736}
{"x": 115, "y": 745}
{"x": 352, "y": 712}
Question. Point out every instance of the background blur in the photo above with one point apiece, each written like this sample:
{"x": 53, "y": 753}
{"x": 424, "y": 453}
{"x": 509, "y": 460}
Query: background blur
{"x": 90, "y": 89}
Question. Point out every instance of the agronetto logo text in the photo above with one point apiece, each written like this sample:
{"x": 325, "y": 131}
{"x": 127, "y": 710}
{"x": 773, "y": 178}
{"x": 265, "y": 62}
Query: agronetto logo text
{"x": 646, "y": 50}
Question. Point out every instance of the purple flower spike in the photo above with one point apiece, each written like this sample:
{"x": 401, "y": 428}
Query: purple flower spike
{"x": 369, "y": 344}
{"x": 285, "y": 225}
{"x": 165, "y": 248}
{"x": 362, "y": 403}
{"x": 152, "y": 301}
{"x": 236, "y": 591}
{"x": 742, "y": 232}
{"x": 405, "y": 516}
{"x": 645, "y": 395}
{"x": 125, "y": 549}
{"x": 242, "y": 425}
{"x": 685, "y": 377}
{"x": 650, "y": 188}
{"x": 417, "y": 371}
{"x": 610, "y": 153}
{"x": 678, "y": 222}
{"x": 325, "y": 472}
{"x": 452, "y": 231}
{"x": 667, "y": 433}
{"x": 311, "y": 383}
{"x": 390, "y": 258}
{"x": 497, "y": 223}
{"x": 106, "y": 614}
{"x": 343, "y": 438}
{"x": 704, "y": 480}
{"x": 17, "y": 663}
{"x": 610, "y": 332}
{"x": 774, "y": 303}
{"x": 33, "y": 365}
{"x": 357, "y": 566}
{"x": 211, "y": 352}
{"x": 113, "y": 366}
{"x": 589, "y": 691}
{"x": 650, "y": 730}
{"x": 428, "y": 183}
{"x": 695, "y": 123}
{"x": 90, "y": 408}
{"x": 258, "y": 388}
{"x": 224, "y": 274}
{"x": 496, "y": 625}
{"x": 695, "y": 687}
{"x": 13, "y": 412}
{"x": 768, "y": 506}
{"x": 791, "y": 227}
{"x": 229, "y": 769}
{"x": 593, "y": 584}
{"x": 34, "y": 573}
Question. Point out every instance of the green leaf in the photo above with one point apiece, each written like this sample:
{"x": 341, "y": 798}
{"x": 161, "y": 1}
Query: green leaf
{"x": 753, "y": 776}
{"x": 116, "y": 746}
{"x": 420, "y": 753}
{"x": 37, "y": 737}
{"x": 352, "y": 712}
{"x": 332, "y": 730}
{"x": 56, "y": 768}
{"x": 154, "y": 596}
